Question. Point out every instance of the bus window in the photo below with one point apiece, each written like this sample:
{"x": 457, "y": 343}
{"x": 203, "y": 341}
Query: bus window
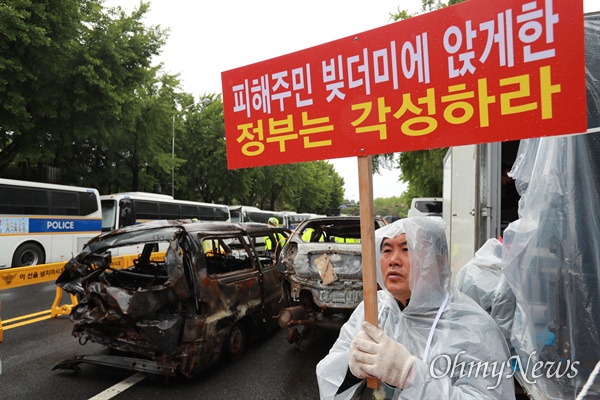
{"x": 170, "y": 211}
{"x": 207, "y": 214}
{"x": 63, "y": 203}
{"x": 222, "y": 213}
{"x": 146, "y": 210}
{"x": 189, "y": 212}
{"x": 88, "y": 203}
{"x": 236, "y": 215}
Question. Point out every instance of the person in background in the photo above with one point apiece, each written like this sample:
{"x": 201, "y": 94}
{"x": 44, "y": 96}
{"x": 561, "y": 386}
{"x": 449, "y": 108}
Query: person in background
{"x": 426, "y": 329}
{"x": 279, "y": 241}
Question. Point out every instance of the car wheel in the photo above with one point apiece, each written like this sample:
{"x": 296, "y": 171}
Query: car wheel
{"x": 28, "y": 254}
{"x": 236, "y": 342}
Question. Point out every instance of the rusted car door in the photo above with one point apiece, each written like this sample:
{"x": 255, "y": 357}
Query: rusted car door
{"x": 269, "y": 274}
{"x": 233, "y": 291}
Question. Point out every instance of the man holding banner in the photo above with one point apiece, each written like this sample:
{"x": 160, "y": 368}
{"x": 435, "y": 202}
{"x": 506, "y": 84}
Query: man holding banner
{"x": 476, "y": 72}
{"x": 434, "y": 342}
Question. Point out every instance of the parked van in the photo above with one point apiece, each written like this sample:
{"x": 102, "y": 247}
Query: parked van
{"x": 215, "y": 289}
{"x": 425, "y": 206}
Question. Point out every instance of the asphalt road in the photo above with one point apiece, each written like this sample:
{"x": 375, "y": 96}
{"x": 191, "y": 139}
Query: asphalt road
{"x": 269, "y": 369}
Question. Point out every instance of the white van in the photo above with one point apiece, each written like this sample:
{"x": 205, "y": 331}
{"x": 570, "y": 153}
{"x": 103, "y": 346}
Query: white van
{"x": 425, "y": 206}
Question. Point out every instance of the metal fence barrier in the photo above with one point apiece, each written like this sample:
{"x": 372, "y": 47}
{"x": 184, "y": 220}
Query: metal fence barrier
{"x": 24, "y": 276}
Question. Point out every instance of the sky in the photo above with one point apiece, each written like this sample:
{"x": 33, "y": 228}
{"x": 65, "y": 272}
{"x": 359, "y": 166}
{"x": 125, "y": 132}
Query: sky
{"x": 208, "y": 37}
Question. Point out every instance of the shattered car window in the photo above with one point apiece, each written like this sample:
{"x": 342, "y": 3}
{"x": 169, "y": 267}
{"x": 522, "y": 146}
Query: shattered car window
{"x": 340, "y": 231}
{"x": 221, "y": 258}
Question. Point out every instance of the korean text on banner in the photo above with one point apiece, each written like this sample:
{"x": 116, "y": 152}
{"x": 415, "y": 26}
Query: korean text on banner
{"x": 479, "y": 71}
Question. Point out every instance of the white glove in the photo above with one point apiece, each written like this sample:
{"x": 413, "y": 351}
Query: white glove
{"x": 375, "y": 354}
{"x": 354, "y": 364}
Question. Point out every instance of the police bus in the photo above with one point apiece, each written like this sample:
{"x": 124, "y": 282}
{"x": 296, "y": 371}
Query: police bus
{"x": 130, "y": 208}
{"x": 255, "y": 214}
{"x": 124, "y": 209}
{"x": 43, "y": 222}
{"x": 293, "y": 219}
{"x": 286, "y": 219}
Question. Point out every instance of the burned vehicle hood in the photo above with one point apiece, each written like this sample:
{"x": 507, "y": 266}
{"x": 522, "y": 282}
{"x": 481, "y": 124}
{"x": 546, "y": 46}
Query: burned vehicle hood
{"x": 97, "y": 253}
{"x": 327, "y": 262}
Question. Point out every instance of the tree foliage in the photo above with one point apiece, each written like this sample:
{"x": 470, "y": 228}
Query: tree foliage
{"x": 74, "y": 67}
{"x": 79, "y": 93}
{"x": 391, "y": 206}
{"x": 424, "y": 172}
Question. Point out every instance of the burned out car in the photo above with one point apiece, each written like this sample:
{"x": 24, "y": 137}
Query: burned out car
{"x": 174, "y": 312}
{"x": 321, "y": 266}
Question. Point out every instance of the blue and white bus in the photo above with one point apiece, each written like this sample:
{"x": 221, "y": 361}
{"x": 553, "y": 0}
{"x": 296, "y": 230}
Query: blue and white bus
{"x": 42, "y": 222}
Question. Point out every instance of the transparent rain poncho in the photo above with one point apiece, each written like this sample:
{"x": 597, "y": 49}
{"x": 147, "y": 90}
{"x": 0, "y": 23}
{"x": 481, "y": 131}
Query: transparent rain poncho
{"x": 553, "y": 269}
{"x": 442, "y": 328}
{"x": 548, "y": 301}
{"x": 480, "y": 276}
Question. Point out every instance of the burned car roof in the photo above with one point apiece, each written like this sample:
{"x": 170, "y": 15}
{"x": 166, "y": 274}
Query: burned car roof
{"x": 163, "y": 230}
{"x": 195, "y": 291}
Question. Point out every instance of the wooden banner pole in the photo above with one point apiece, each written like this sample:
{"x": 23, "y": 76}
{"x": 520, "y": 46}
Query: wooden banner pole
{"x": 367, "y": 238}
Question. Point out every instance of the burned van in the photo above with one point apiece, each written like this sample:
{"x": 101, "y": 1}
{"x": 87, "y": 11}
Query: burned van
{"x": 179, "y": 311}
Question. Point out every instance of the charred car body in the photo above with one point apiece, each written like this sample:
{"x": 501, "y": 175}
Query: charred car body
{"x": 321, "y": 266}
{"x": 215, "y": 287}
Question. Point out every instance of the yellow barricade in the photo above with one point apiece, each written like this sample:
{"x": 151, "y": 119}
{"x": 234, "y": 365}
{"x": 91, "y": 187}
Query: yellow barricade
{"x": 23, "y": 276}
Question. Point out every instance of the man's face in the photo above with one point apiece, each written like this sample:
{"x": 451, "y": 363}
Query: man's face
{"x": 395, "y": 267}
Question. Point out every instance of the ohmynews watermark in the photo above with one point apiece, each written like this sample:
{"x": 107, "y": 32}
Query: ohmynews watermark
{"x": 474, "y": 369}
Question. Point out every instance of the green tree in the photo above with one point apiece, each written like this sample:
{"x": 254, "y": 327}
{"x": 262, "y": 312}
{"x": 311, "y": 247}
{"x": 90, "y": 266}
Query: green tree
{"x": 77, "y": 73}
{"x": 303, "y": 187}
{"x": 321, "y": 189}
{"x": 393, "y": 206}
{"x": 424, "y": 172}
{"x": 201, "y": 145}
{"x": 36, "y": 46}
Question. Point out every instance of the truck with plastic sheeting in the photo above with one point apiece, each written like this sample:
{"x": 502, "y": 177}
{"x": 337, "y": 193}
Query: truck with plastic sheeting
{"x": 544, "y": 289}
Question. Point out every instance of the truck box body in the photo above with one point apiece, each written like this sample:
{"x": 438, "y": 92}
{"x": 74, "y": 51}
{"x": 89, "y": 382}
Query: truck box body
{"x": 552, "y": 264}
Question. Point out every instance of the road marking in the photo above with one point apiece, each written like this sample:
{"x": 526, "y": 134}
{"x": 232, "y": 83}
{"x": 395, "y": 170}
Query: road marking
{"x": 119, "y": 387}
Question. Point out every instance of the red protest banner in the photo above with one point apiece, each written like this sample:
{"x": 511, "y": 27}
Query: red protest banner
{"x": 480, "y": 71}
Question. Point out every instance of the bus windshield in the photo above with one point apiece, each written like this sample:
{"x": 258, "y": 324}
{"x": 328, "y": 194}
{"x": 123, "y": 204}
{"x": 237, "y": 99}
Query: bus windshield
{"x": 109, "y": 208}
{"x": 235, "y": 215}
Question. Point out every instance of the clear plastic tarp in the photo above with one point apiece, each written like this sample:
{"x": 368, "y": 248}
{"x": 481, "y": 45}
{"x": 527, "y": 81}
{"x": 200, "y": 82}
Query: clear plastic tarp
{"x": 553, "y": 262}
{"x": 547, "y": 299}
